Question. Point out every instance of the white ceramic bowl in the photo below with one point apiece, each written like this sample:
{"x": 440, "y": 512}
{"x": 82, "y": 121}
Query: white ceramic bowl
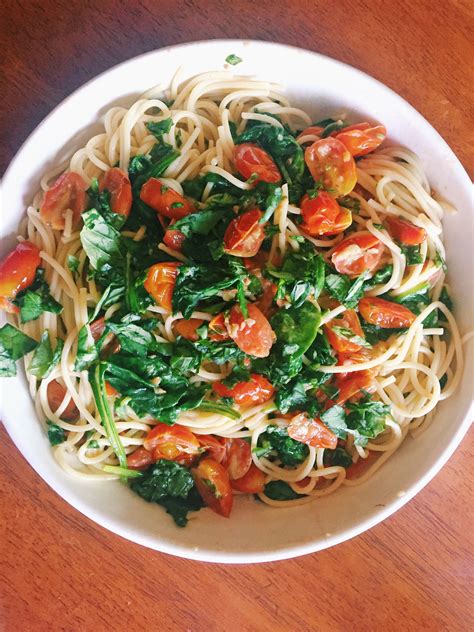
{"x": 255, "y": 532}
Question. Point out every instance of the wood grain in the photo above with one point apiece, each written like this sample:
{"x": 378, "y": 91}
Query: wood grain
{"x": 60, "y": 571}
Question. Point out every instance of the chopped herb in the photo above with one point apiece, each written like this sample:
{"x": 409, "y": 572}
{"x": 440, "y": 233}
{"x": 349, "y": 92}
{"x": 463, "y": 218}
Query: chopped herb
{"x": 44, "y": 358}
{"x": 233, "y": 60}
{"x": 14, "y": 344}
{"x": 56, "y": 434}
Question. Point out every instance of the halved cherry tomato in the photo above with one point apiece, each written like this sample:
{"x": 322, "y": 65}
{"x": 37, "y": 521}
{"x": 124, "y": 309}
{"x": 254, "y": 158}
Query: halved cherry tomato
{"x": 352, "y": 384}
{"x": 141, "y": 459}
{"x": 244, "y": 235}
{"x": 117, "y": 183}
{"x": 174, "y": 239}
{"x": 187, "y": 328}
{"x": 257, "y": 391}
{"x": 68, "y": 192}
{"x": 385, "y": 314}
{"x": 329, "y": 160}
{"x": 110, "y": 391}
{"x": 214, "y": 447}
{"x": 174, "y": 443}
{"x": 238, "y": 458}
{"x": 362, "y": 138}
{"x": 251, "y": 483}
{"x": 165, "y": 200}
{"x": 312, "y": 130}
{"x": 213, "y": 485}
{"x": 312, "y": 432}
{"x": 217, "y": 328}
{"x": 406, "y": 232}
{"x": 357, "y": 469}
{"x": 253, "y": 335}
{"x": 347, "y": 320}
{"x": 17, "y": 272}
{"x": 55, "y": 393}
{"x": 322, "y": 215}
{"x": 356, "y": 254}
{"x": 250, "y": 159}
{"x": 97, "y": 328}
{"x": 160, "y": 283}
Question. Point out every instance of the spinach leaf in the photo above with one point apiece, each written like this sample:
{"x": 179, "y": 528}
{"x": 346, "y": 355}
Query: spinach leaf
{"x": 198, "y": 283}
{"x": 14, "y": 344}
{"x": 320, "y": 352}
{"x": 201, "y": 223}
{"x": 87, "y": 352}
{"x": 219, "y": 352}
{"x": 100, "y": 240}
{"x": 233, "y": 60}
{"x": 279, "y": 490}
{"x": 337, "y": 457}
{"x": 36, "y": 299}
{"x": 366, "y": 420}
{"x": 412, "y": 254}
{"x": 276, "y": 442}
{"x": 44, "y": 358}
{"x": 158, "y": 128}
{"x": 100, "y": 201}
{"x": 133, "y": 338}
{"x": 56, "y": 434}
{"x": 296, "y": 394}
{"x": 349, "y": 202}
{"x": 374, "y": 333}
{"x": 381, "y": 276}
{"x": 302, "y": 274}
{"x": 73, "y": 263}
{"x": 347, "y": 291}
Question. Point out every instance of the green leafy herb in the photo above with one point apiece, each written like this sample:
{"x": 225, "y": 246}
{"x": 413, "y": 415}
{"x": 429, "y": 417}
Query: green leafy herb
{"x": 412, "y": 254}
{"x": 36, "y": 299}
{"x": 276, "y": 443}
{"x": 440, "y": 262}
{"x": 349, "y": 202}
{"x": 73, "y": 263}
{"x": 366, "y": 420}
{"x": 279, "y": 490}
{"x": 158, "y": 128}
{"x": 233, "y": 60}
{"x": 347, "y": 291}
{"x": 14, "y": 344}
{"x": 337, "y": 457}
{"x": 44, "y": 358}
{"x": 347, "y": 334}
{"x": 56, "y": 434}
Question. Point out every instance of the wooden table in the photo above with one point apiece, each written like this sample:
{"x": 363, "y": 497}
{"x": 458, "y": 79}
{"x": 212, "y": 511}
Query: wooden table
{"x": 62, "y": 572}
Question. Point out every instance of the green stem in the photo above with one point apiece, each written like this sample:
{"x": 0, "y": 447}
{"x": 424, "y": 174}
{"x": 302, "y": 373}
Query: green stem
{"x": 222, "y": 409}
{"x": 124, "y": 472}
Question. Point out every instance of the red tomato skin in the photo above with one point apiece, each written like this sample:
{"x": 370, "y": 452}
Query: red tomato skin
{"x": 55, "y": 393}
{"x": 312, "y": 432}
{"x": 253, "y": 335}
{"x": 352, "y": 384}
{"x": 348, "y": 320}
{"x": 17, "y": 272}
{"x": 385, "y": 314}
{"x": 218, "y": 326}
{"x": 257, "y": 391}
{"x": 174, "y": 239}
{"x": 354, "y": 255}
{"x": 217, "y": 493}
{"x": 322, "y": 215}
{"x": 312, "y": 130}
{"x": 215, "y": 448}
{"x": 238, "y": 458}
{"x": 329, "y": 161}
{"x": 68, "y": 192}
{"x": 174, "y": 443}
{"x": 362, "y": 138}
{"x": 163, "y": 198}
{"x": 140, "y": 459}
{"x": 160, "y": 282}
{"x": 250, "y": 159}
{"x": 117, "y": 183}
{"x": 187, "y": 328}
{"x": 251, "y": 483}
{"x": 244, "y": 235}
{"x": 406, "y": 232}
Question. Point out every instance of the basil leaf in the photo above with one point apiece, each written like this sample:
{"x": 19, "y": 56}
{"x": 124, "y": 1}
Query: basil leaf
{"x": 44, "y": 358}
{"x": 14, "y": 344}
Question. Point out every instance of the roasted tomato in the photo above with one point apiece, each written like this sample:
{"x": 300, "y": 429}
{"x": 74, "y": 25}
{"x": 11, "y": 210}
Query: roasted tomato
{"x": 56, "y": 392}
{"x": 213, "y": 484}
{"x": 67, "y": 193}
{"x": 17, "y": 272}
{"x": 406, "y": 232}
{"x": 117, "y": 183}
{"x": 378, "y": 311}
{"x": 357, "y": 254}
{"x": 244, "y": 234}
{"x": 253, "y": 335}
{"x": 251, "y": 483}
{"x": 174, "y": 443}
{"x": 329, "y": 161}
{"x": 362, "y": 138}
{"x": 312, "y": 130}
{"x": 312, "y": 432}
{"x": 352, "y": 384}
{"x": 214, "y": 447}
{"x": 322, "y": 215}
{"x": 187, "y": 328}
{"x": 257, "y": 391}
{"x": 165, "y": 200}
{"x": 238, "y": 458}
{"x": 217, "y": 328}
{"x": 160, "y": 282}
{"x": 250, "y": 159}
{"x": 342, "y": 330}
{"x": 110, "y": 391}
{"x": 141, "y": 459}
{"x": 174, "y": 239}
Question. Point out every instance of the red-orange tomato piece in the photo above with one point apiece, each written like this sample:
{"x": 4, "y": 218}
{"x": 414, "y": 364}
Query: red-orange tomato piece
{"x": 362, "y": 138}
{"x": 68, "y": 192}
{"x": 214, "y": 447}
{"x": 17, "y": 272}
{"x": 357, "y": 254}
{"x": 187, "y": 328}
{"x": 55, "y": 393}
{"x": 251, "y": 483}
{"x": 238, "y": 458}
{"x": 347, "y": 320}
{"x": 385, "y": 314}
{"x": 250, "y": 159}
{"x": 244, "y": 235}
{"x": 330, "y": 161}
{"x": 253, "y": 335}
{"x": 213, "y": 484}
{"x": 110, "y": 390}
{"x": 352, "y": 384}
{"x": 312, "y": 432}
{"x": 117, "y": 183}
{"x": 312, "y": 130}
{"x": 160, "y": 282}
{"x": 174, "y": 443}
{"x": 174, "y": 239}
{"x": 141, "y": 459}
{"x": 322, "y": 215}
{"x": 217, "y": 328}
{"x": 257, "y": 391}
{"x": 406, "y": 232}
{"x": 165, "y": 200}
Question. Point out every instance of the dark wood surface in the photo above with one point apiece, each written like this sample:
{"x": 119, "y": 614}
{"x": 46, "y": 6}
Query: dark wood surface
{"x": 60, "y": 571}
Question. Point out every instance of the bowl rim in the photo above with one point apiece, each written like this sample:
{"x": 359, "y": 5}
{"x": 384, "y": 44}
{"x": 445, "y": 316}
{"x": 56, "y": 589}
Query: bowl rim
{"x": 205, "y": 554}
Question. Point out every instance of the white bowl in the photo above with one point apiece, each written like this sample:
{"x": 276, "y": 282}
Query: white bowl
{"x": 255, "y": 532}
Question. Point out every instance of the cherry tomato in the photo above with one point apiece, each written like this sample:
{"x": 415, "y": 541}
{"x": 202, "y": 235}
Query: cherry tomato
{"x": 174, "y": 443}
{"x": 174, "y": 239}
{"x": 141, "y": 459}
{"x": 312, "y": 432}
{"x": 406, "y": 232}
{"x": 214, "y": 447}
{"x": 160, "y": 283}
{"x": 55, "y": 393}
{"x": 17, "y": 272}
{"x": 356, "y": 254}
{"x": 217, "y": 328}
{"x": 238, "y": 458}
{"x": 97, "y": 328}
{"x": 352, "y": 384}
{"x": 213, "y": 485}
{"x": 357, "y": 469}
{"x": 361, "y": 139}
{"x": 328, "y": 160}
{"x": 251, "y": 483}
{"x": 322, "y": 215}
{"x": 250, "y": 159}
{"x": 312, "y": 130}
{"x": 244, "y": 235}
{"x": 165, "y": 200}
{"x": 110, "y": 391}
{"x": 187, "y": 328}
{"x": 257, "y": 391}
{"x": 68, "y": 192}
{"x": 347, "y": 320}
{"x": 116, "y": 182}
{"x": 385, "y": 314}
{"x": 253, "y": 335}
